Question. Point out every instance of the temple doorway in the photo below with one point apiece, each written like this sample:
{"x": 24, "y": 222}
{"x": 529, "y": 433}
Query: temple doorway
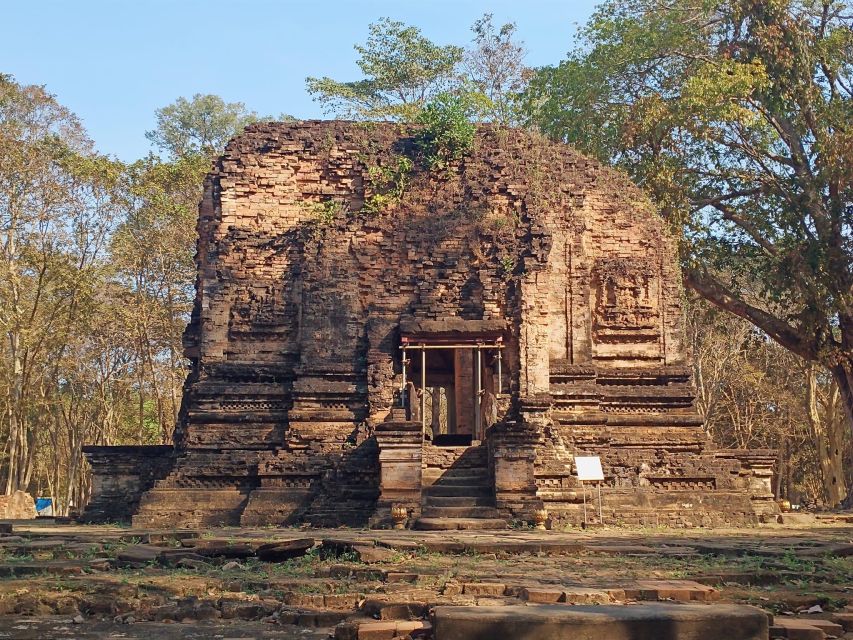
{"x": 450, "y": 388}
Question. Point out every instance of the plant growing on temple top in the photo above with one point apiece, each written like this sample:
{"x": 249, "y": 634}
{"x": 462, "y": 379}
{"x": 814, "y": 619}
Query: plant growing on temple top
{"x": 388, "y": 184}
{"x": 447, "y": 133}
{"x": 322, "y": 214}
{"x": 507, "y": 266}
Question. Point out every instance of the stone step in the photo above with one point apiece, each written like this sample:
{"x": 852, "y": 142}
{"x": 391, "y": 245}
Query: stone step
{"x": 456, "y": 524}
{"x": 430, "y": 511}
{"x": 465, "y": 480}
{"x": 459, "y": 501}
{"x": 462, "y": 491}
{"x": 613, "y": 622}
{"x": 383, "y": 629}
{"x": 471, "y": 467}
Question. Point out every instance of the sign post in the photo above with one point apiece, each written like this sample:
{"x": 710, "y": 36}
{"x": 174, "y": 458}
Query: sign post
{"x": 589, "y": 470}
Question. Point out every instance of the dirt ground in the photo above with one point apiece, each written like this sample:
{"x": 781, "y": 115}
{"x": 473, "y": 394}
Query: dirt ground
{"x": 72, "y": 581}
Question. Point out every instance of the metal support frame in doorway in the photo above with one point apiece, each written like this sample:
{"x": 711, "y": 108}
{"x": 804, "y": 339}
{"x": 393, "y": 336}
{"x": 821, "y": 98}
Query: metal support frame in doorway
{"x": 478, "y": 347}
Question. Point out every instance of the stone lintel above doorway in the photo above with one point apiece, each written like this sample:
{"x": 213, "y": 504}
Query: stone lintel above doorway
{"x": 451, "y": 330}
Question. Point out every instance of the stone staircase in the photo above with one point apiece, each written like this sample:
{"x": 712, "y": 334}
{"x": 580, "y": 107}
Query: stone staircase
{"x": 462, "y": 497}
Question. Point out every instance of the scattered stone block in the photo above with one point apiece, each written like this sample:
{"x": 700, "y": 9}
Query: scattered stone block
{"x": 386, "y": 610}
{"x": 192, "y": 563}
{"x": 543, "y": 596}
{"x": 844, "y": 619}
{"x": 53, "y": 567}
{"x": 377, "y": 630}
{"x": 795, "y": 629}
{"x": 398, "y": 576}
{"x": 680, "y": 590}
{"x": 303, "y": 599}
{"x": 829, "y": 627}
{"x": 140, "y": 553}
{"x": 320, "y": 618}
{"x": 213, "y": 548}
{"x": 582, "y": 595}
{"x": 371, "y": 555}
{"x": 341, "y": 600}
{"x": 284, "y": 550}
{"x": 599, "y": 622}
{"x": 387, "y": 630}
{"x": 18, "y": 506}
{"x": 483, "y": 589}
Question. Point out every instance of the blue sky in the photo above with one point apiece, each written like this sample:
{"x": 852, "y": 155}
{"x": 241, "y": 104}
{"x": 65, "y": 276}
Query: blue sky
{"x": 114, "y": 62}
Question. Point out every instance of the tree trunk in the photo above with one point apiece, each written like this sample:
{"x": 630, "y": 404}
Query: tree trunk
{"x": 842, "y": 374}
{"x": 826, "y": 434}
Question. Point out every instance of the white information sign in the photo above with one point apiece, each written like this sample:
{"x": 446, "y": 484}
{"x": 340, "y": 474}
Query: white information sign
{"x": 589, "y": 468}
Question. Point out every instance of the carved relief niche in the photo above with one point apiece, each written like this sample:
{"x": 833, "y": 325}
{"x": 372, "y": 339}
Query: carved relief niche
{"x": 626, "y": 301}
{"x": 258, "y": 313}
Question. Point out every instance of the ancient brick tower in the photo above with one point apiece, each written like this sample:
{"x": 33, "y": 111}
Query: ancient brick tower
{"x": 366, "y": 334}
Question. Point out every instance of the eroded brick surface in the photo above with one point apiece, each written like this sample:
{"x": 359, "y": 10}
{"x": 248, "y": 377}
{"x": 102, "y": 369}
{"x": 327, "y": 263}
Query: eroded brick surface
{"x": 307, "y": 287}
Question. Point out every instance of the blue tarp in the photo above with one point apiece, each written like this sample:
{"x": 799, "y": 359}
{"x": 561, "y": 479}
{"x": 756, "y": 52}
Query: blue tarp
{"x": 44, "y": 504}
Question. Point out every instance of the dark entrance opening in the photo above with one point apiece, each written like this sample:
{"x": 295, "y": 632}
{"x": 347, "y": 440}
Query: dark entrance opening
{"x": 450, "y": 389}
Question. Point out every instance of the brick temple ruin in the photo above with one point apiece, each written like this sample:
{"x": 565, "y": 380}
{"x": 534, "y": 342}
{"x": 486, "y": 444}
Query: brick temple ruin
{"x": 365, "y": 335}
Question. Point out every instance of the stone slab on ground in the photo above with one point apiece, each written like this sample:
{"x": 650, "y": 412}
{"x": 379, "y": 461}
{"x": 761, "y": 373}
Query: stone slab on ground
{"x": 53, "y": 567}
{"x": 366, "y": 551}
{"x": 829, "y": 627}
{"x": 222, "y": 548}
{"x": 451, "y": 524}
{"x": 61, "y": 628}
{"x": 798, "y": 629}
{"x": 837, "y": 550}
{"x": 483, "y": 589}
{"x": 679, "y": 590}
{"x": 844, "y": 619}
{"x": 140, "y": 553}
{"x": 383, "y": 630}
{"x": 613, "y": 622}
{"x": 284, "y": 549}
{"x": 587, "y": 595}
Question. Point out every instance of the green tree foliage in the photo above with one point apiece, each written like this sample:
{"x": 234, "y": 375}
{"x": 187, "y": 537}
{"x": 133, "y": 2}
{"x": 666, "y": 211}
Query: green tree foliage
{"x": 152, "y": 252}
{"x": 735, "y": 117}
{"x": 201, "y": 125}
{"x": 755, "y": 394}
{"x": 154, "y": 244}
{"x": 57, "y": 210}
{"x": 403, "y": 71}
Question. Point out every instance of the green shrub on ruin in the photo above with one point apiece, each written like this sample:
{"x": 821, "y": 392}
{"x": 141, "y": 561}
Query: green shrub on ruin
{"x": 447, "y": 133}
{"x": 388, "y": 184}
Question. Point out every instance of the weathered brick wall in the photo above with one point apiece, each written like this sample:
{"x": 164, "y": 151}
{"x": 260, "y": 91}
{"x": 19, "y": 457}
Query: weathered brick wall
{"x": 120, "y": 475}
{"x": 303, "y": 283}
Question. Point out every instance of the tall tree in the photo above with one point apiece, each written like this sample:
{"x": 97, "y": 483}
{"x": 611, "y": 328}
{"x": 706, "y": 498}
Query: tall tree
{"x": 735, "y": 116}
{"x": 56, "y": 213}
{"x": 496, "y": 71}
{"x": 403, "y": 71}
{"x": 753, "y": 393}
{"x": 200, "y": 126}
{"x": 152, "y": 258}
